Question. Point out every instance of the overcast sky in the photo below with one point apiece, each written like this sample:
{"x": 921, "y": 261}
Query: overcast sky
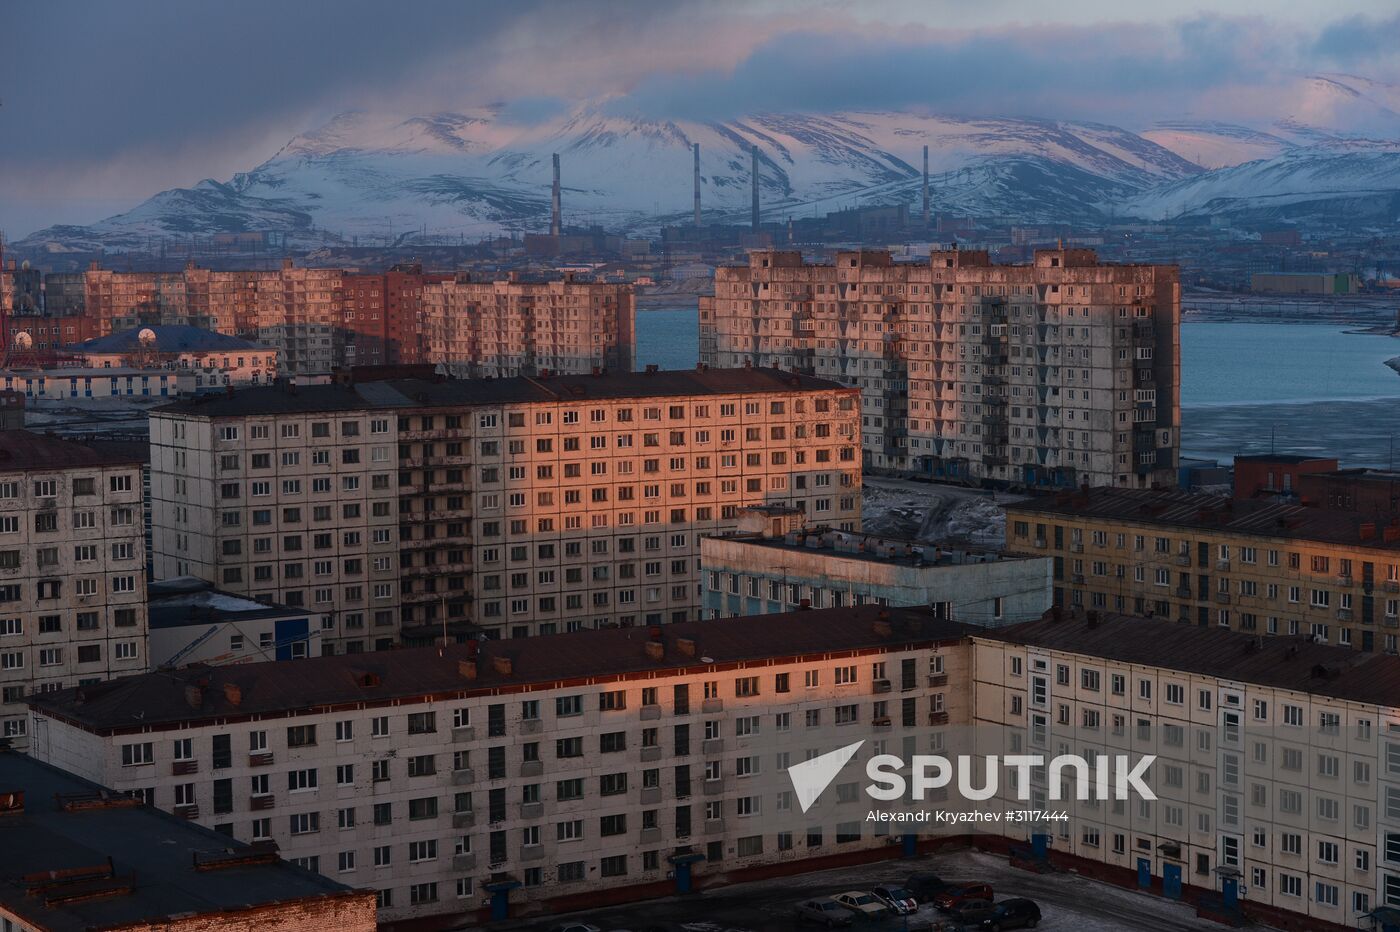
{"x": 103, "y": 104}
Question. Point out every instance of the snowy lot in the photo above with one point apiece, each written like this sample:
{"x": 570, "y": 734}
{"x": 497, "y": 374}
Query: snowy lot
{"x": 928, "y": 512}
{"x": 1068, "y": 902}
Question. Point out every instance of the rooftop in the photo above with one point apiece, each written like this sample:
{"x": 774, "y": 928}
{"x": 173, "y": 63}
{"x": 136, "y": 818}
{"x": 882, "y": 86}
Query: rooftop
{"x": 1262, "y": 517}
{"x": 170, "y": 338}
{"x": 152, "y": 876}
{"x": 23, "y": 449}
{"x": 188, "y": 600}
{"x": 1285, "y": 663}
{"x": 844, "y": 545}
{"x": 1292, "y": 459}
{"x": 199, "y": 694}
{"x": 456, "y": 393}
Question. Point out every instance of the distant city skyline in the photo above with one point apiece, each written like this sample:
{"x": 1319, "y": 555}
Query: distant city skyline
{"x": 152, "y": 94}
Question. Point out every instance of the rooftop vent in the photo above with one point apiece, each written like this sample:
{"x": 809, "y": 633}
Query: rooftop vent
{"x": 502, "y": 665}
{"x": 686, "y": 646}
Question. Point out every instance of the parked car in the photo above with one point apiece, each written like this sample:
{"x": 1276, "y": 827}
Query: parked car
{"x": 924, "y": 886}
{"x": 826, "y": 911}
{"x": 575, "y": 927}
{"x": 1008, "y": 914}
{"x": 956, "y": 896}
{"x": 896, "y": 899}
{"x": 861, "y": 903}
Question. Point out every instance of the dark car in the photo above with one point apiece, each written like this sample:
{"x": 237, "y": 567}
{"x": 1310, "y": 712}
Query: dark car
{"x": 1008, "y": 914}
{"x": 956, "y": 896}
{"x": 924, "y": 886}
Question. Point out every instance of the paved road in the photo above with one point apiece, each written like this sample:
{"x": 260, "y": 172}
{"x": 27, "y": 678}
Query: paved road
{"x": 1069, "y": 903}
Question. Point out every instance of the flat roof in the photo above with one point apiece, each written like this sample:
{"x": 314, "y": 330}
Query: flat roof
{"x": 158, "y": 848}
{"x": 188, "y": 600}
{"x": 893, "y": 551}
{"x": 1294, "y": 663}
{"x": 418, "y": 393}
{"x": 1287, "y": 459}
{"x": 24, "y": 449}
{"x": 1201, "y": 511}
{"x": 154, "y": 699}
{"x": 170, "y": 338}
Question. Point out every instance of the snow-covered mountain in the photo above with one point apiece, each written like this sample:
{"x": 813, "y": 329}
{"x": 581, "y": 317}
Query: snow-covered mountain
{"x": 482, "y": 172}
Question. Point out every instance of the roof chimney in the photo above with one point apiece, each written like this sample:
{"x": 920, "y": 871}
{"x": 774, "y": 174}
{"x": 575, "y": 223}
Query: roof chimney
{"x": 233, "y": 693}
{"x": 883, "y": 628}
{"x": 686, "y": 646}
{"x": 502, "y": 665}
{"x": 194, "y": 696}
{"x": 467, "y": 669}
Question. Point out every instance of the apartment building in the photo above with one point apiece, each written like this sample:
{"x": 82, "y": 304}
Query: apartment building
{"x": 516, "y": 327}
{"x": 78, "y": 856}
{"x": 1058, "y": 373}
{"x": 320, "y": 319}
{"x": 1278, "y": 762}
{"x": 72, "y": 569}
{"x": 748, "y": 572}
{"x": 511, "y": 506}
{"x": 1262, "y": 566}
{"x": 540, "y": 772}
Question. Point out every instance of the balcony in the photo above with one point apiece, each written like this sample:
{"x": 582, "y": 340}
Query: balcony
{"x": 531, "y": 852}
{"x": 463, "y": 777}
{"x": 713, "y": 827}
{"x": 464, "y": 819}
{"x": 531, "y": 726}
{"x": 181, "y": 767}
{"x": 1183, "y": 559}
{"x": 938, "y": 718}
{"x": 712, "y": 746}
{"x": 263, "y": 759}
{"x": 936, "y": 680}
{"x": 713, "y": 787}
{"x": 649, "y": 713}
{"x": 1223, "y": 565}
{"x": 464, "y": 733}
{"x": 712, "y": 705}
{"x": 261, "y": 801}
{"x": 188, "y": 811}
{"x": 1223, "y": 598}
{"x": 650, "y": 795}
{"x": 885, "y": 722}
{"x": 651, "y": 754}
{"x": 1344, "y": 614}
{"x": 881, "y": 686}
{"x": 531, "y": 810}
{"x": 463, "y": 862}
{"x": 1183, "y": 592}
{"x": 531, "y": 768}
{"x": 1391, "y": 585}
{"x": 650, "y": 836}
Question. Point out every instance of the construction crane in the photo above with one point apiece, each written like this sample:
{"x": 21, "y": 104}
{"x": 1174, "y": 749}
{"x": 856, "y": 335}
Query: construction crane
{"x": 179, "y": 655}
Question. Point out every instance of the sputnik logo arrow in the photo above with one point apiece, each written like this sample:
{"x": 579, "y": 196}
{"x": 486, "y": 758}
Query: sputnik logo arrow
{"x": 811, "y": 778}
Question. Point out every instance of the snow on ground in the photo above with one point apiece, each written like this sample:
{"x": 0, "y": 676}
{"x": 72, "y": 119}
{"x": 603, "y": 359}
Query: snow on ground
{"x": 927, "y": 512}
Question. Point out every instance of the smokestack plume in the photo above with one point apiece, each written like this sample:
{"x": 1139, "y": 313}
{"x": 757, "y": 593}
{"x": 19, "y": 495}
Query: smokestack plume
{"x": 556, "y": 221}
{"x": 925, "y": 186}
{"x": 697, "y": 184}
{"x": 755, "y": 189}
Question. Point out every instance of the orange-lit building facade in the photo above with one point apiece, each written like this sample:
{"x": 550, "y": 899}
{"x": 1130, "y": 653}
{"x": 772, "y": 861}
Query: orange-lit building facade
{"x": 322, "y": 319}
{"x": 513, "y": 506}
{"x": 1057, "y": 373}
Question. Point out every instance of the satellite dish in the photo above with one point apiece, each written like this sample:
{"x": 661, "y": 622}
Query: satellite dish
{"x": 23, "y": 340}
{"x": 147, "y": 336}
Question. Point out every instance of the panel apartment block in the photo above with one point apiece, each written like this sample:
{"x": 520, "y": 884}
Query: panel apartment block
{"x": 1057, "y": 373}
{"x": 515, "y": 506}
{"x": 1265, "y": 770}
{"x": 1263, "y": 567}
{"x": 320, "y": 319}
{"x": 570, "y": 763}
{"x": 516, "y": 327}
{"x": 72, "y": 570}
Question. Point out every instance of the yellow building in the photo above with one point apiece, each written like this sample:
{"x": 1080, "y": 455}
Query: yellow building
{"x": 1253, "y": 566}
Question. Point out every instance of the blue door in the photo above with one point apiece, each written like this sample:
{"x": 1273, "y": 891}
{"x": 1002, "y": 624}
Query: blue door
{"x": 683, "y": 877}
{"x": 1144, "y": 873}
{"x": 1230, "y": 894}
{"x": 500, "y": 905}
{"x": 911, "y": 845}
{"x": 288, "y": 632}
{"x": 1171, "y": 881}
{"x": 1040, "y": 846}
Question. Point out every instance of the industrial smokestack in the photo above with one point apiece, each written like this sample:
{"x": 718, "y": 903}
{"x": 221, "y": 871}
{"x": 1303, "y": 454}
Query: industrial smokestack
{"x": 755, "y": 189}
{"x": 697, "y": 184}
{"x": 556, "y": 221}
{"x": 925, "y": 186}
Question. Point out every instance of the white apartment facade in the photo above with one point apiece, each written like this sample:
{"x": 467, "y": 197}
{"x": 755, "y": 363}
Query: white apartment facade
{"x": 570, "y": 764}
{"x": 514, "y": 507}
{"x": 72, "y": 570}
{"x": 1268, "y": 770}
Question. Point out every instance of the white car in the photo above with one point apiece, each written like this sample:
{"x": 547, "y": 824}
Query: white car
{"x": 861, "y": 903}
